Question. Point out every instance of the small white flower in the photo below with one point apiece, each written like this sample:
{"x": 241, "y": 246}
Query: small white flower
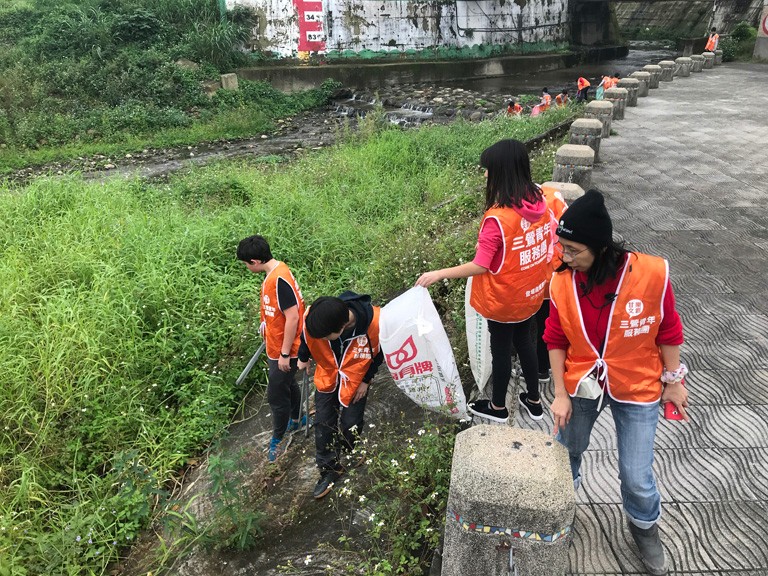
{"x": 413, "y": 456}
{"x": 422, "y": 432}
{"x": 308, "y": 560}
{"x": 361, "y": 499}
{"x": 394, "y": 463}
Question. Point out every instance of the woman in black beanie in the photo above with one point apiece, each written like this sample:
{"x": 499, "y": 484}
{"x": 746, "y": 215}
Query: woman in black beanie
{"x": 614, "y": 338}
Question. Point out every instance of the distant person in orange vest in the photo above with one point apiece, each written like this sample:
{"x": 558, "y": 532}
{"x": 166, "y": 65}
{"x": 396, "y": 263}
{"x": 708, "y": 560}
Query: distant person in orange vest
{"x": 342, "y": 336}
{"x": 282, "y": 315}
{"x": 562, "y": 98}
{"x": 582, "y": 85}
{"x": 614, "y": 337}
{"x": 509, "y": 273}
{"x": 546, "y": 99}
{"x": 514, "y": 109}
{"x": 712, "y": 41}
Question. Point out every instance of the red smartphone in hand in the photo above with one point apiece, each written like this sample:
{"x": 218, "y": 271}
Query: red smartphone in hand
{"x": 671, "y": 412}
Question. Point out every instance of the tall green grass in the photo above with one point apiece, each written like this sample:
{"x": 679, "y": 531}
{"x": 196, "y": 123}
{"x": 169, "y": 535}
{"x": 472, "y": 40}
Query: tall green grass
{"x": 124, "y": 316}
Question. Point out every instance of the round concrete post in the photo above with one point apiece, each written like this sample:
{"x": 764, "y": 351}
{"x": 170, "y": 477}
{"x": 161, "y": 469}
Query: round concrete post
{"x": 709, "y": 60}
{"x": 632, "y": 86}
{"x": 645, "y": 79}
{"x": 718, "y": 57}
{"x": 655, "y": 71}
{"x": 697, "y": 61}
{"x": 601, "y": 110}
{"x": 568, "y": 191}
{"x": 573, "y": 164}
{"x": 684, "y": 65}
{"x": 667, "y": 70}
{"x": 587, "y": 132}
{"x": 511, "y": 504}
{"x": 618, "y": 97}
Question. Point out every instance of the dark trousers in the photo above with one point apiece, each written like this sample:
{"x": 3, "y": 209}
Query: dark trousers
{"x": 283, "y": 396}
{"x": 504, "y": 339}
{"x": 541, "y": 348}
{"x": 581, "y": 95}
{"x": 336, "y": 427}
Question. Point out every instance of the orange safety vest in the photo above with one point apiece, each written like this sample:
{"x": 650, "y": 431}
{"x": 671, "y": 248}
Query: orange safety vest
{"x": 356, "y": 359}
{"x": 273, "y": 317}
{"x": 712, "y": 42}
{"x": 631, "y": 363}
{"x": 515, "y": 109}
{"x": 546, "y": 101}
{"x": 557, "y": 205}
{"x": 609, "y": 82}
{"x": 561, "y": 100}
{"x": 582, "y": 83}
{"x": 514, "y": 292}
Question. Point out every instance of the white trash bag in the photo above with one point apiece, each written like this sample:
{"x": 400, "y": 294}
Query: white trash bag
{"x": 478, "y": 341}
{"x": 419, "y": 355}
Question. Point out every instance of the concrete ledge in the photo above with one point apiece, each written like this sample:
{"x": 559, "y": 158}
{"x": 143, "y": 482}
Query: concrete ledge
{"x": 387, "y": 74}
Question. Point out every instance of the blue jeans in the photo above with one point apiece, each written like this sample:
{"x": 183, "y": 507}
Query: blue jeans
{"x": 635, "y": 434}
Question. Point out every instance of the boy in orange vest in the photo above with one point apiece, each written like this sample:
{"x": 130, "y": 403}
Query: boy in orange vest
{"x": 342, "y": 336}
{"x": 514, "y": 108}
{"x": 712, "y": 41}
{"x": 562, "y": 98}
{"x": 282, "y": 311}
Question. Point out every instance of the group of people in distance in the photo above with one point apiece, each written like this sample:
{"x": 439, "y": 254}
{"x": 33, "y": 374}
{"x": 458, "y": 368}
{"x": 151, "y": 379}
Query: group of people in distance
{"x": 556, "y": 289}
{"x": 545, "y": 102}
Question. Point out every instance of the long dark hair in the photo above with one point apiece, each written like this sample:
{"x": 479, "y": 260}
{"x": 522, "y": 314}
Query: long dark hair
{"x": 509, "y": 175}
{"x": 608, "y": 259}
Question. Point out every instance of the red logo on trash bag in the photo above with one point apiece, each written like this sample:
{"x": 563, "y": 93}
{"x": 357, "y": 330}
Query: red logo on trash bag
{"x": 405, "y": 353}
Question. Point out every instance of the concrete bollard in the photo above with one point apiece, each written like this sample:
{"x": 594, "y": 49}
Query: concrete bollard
{"x": 709, "y": 60}
{"x": 655, "y": 71}
{"x": 601, "y": 110}
{"x": 644, "y": 78}
{"x": 718, "y": 57}
{"x": 667, "y": 70}
{"x": 587, "y": 132}
{"x": 567, "y": 190}
{"x": 229, "y": 81}
{"x": 697, "y": 61}
{"x": 618, "y": 97}
{"x": 684, "y": 65}
{"x": 632, "y": 86}
{"x": 573, "y": 163}
{"x": 511, "y": 504}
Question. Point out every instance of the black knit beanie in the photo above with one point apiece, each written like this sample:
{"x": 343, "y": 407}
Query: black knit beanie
{"x": 586, "y": 221}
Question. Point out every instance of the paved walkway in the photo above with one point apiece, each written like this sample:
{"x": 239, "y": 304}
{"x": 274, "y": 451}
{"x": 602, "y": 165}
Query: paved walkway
{"x": 686, "y": 177}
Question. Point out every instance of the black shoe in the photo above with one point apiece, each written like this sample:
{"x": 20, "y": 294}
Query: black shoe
{"x": 484, "y": 409}
{"x": 544, "y": 377}
{"x": 535, "y": 411}
{"x": 651, "y": 550}
{"x": 327, "y": 479}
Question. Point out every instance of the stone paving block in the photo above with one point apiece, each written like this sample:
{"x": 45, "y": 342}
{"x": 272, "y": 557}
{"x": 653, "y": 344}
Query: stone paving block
{"x": 683, "y": 553}
{"x": 728, "y": 535}
{"x": 717, "y": 426}
{"x": 700, "y": 284}
{"x": 715, "y": 387}
{"x": 591, "y": 552}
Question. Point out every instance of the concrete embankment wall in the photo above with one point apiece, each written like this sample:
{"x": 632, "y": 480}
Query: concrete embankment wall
{"x": 686, "y": 17}
{"x": 294, "y": 27}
